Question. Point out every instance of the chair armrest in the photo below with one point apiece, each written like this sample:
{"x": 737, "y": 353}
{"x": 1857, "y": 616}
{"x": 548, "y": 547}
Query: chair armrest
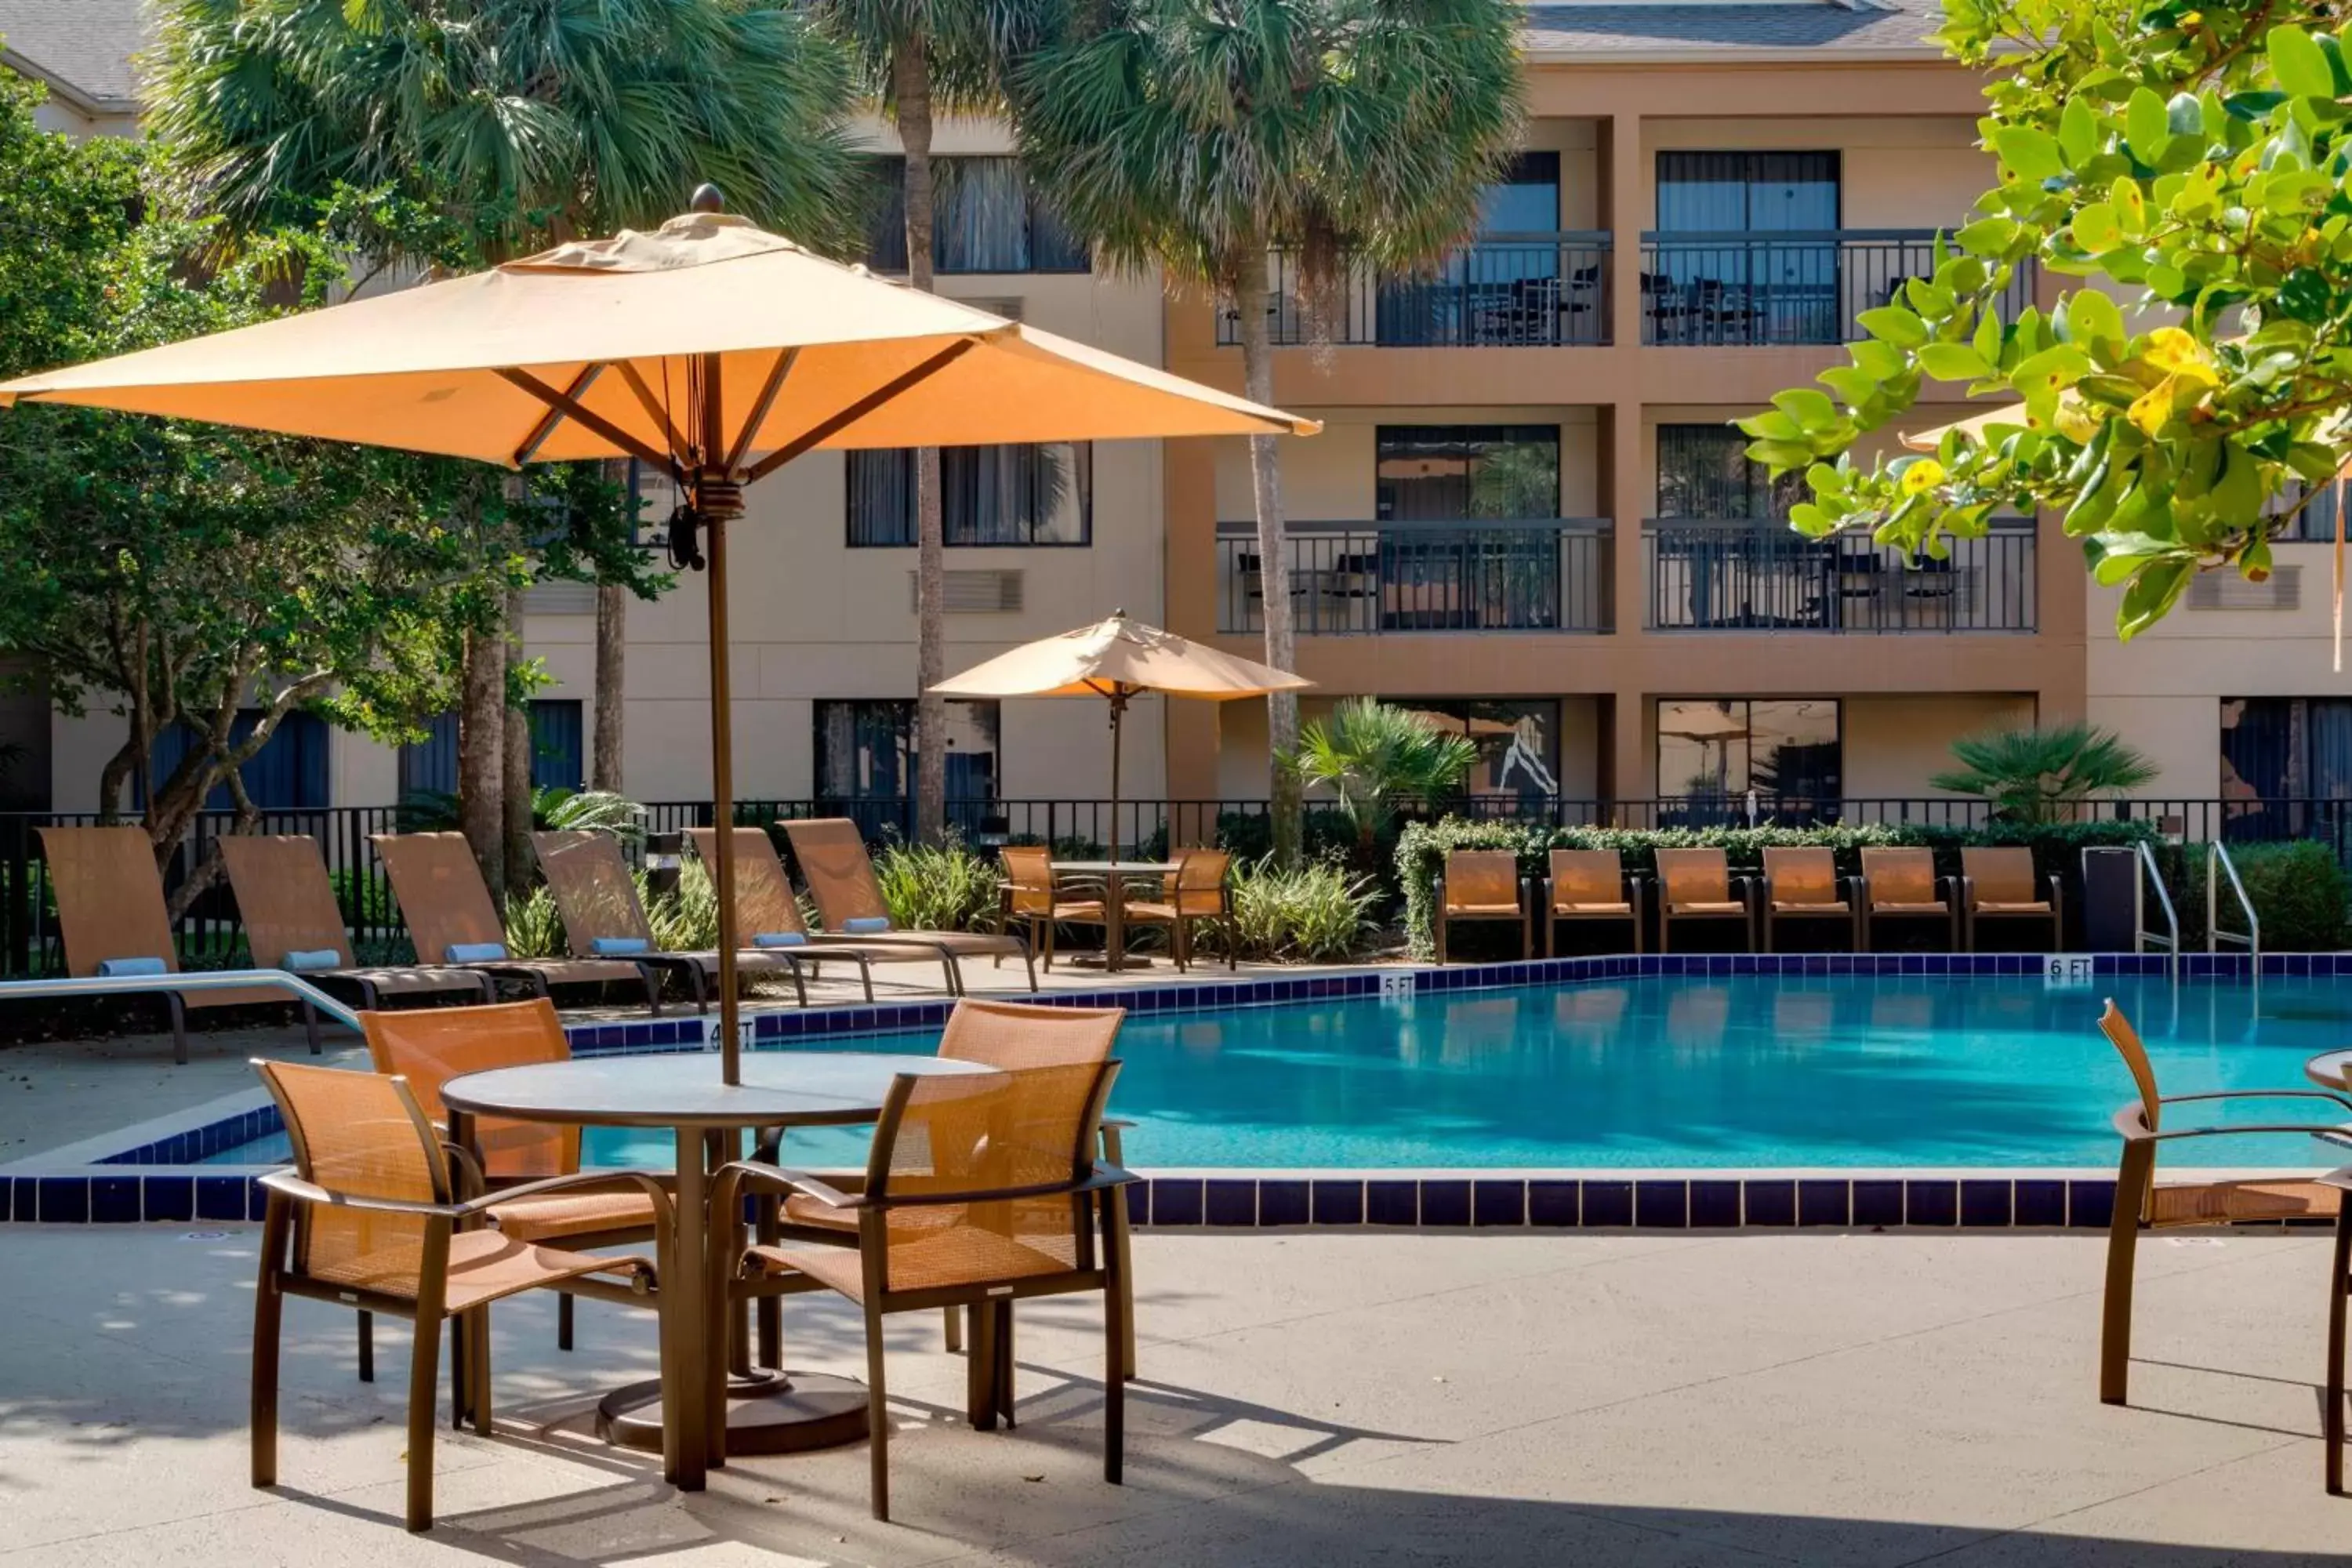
{"x": 471, "y": 1182}
{"x": 1966, "y": 886}
{"x": 1106, "y": 1176}
{"x": 746, "y": 1172}
{"x": 662, "y": 1208}
{"x": 1120, "y": 1124}
{"x": 1438, "y": 890}
{"x": 286, "y": 1183}
{"x": 2131, "y": 1123}
{"x": 2256, "y": 1094}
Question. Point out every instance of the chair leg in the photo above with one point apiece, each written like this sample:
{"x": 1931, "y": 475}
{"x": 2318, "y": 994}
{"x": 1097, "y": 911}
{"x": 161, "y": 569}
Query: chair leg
{"x": 478, "y": 1368}
{"x": 877, "y": 1417}
{"x": 800, "y": 981}
{"x": 563, "y": 1320}
{"x": 1121, "y": 1253}
{"x": 424, "y": 1373}
{"x": 311, "y": 1030}
{"x": 367, "y": 1347}
{"x": 1003, "y": 1380}
{"x": 953, "y": 1323}
{"x": 1118, "y": 1345}
{"x": 461, "y": 1383}
{"x": 269, "y": 1312}
{"x": 2123, "y": 1243}
{"x": 1441, "y": 923}
{"x": 2331, "y": 1423}
{"x": 179, "y": 1011}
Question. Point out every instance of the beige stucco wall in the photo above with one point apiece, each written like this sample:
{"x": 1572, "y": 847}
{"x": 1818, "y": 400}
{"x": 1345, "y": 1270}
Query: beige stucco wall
{"x": 1894, "y": 743}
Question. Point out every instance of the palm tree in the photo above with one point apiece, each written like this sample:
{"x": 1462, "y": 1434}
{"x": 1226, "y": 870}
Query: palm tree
{"x": 1374, "y": 755}
{"x": 517, "y": 122}
{"x": 2040, "y": 776}
{"x": 1193, "y": 136}
{"x": 915, "y": 59}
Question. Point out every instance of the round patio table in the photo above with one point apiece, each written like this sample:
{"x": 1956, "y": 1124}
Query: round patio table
{"x": 2330, "y": 1069}
{"x": 1114, "y": 875}
{"x": 769, "y": 1411}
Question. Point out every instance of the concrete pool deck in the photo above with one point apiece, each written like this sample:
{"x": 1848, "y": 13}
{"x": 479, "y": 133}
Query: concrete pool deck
{"x": 1627, "y": 1402}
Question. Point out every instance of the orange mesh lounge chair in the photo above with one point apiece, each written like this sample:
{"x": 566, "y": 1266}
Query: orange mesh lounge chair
{"x": 428, "y": 1049}
{"x": 981, "y": 1190}
{"x": 452, "y": 921}
{"x": 111, "y": 913}
{"x": 602, "y": 917}
{"x": 1903, "y": 883}
{"x": 1481, "y": 885}
{"x": 766, "y": 915}
{"x": 291, "y": 923}
{"x": 375, "y": 1217}
{"x": 1999, "y": 885}
{"x": 1589, "y": 885}
{"x": 840, "y": 876}
{"x": 1697, "y": 885}
{"x": 2140, "y": 1200}
{"x": 1803, "y": 884}
{"x": 1200, "y": 892}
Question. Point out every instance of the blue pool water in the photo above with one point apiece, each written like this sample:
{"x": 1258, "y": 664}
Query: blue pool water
{"x": 1748, "y": 1071}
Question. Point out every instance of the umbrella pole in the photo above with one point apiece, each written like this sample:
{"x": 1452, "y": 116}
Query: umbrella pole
{"x": 1118, "y": 713}
{"x": 722, "y": 709}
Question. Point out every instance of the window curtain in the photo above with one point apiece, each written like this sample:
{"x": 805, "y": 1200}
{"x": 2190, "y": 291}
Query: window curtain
{"x": 289, "y": 774}
{"x": 984, "y": 219}
{"x": 988, "y": 495}
{"x": 2330, "y": 772}
{"x": 2258, "y": 746}
{"x": 1704, "y": 471}
{"x": 881, "y": 497}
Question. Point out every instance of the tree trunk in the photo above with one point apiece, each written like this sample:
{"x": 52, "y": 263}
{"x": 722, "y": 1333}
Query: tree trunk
{"x": 514, "y": 813}
{"x": 481, "y": 753}
{"x": 612, "y": 659}
{"x": 911, "y": 91}
{"x": 1251, "y": 300}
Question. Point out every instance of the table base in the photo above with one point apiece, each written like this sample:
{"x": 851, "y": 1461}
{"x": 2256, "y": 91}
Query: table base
{"x": 767, "y": 1411}
{"x": 1096, "y": 960}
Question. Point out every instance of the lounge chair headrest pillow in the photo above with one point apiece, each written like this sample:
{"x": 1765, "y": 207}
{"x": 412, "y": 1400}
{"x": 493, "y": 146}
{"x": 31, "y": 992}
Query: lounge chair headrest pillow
{"x": 619, "y": 946}
{"x": 477, "y": 952}
{"x": 779, "y": 939}
{"x": 124, "y": 968}
{"x": 865, "y": 925}
{"x": 311, "y": 958}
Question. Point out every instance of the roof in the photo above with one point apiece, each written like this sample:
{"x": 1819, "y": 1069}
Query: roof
{"x": 1629, "y": 29}
{"x": 83, "y": 48}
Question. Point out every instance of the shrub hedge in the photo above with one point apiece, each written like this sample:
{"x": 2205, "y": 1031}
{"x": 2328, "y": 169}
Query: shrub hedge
{"x": 2298, "y": 888}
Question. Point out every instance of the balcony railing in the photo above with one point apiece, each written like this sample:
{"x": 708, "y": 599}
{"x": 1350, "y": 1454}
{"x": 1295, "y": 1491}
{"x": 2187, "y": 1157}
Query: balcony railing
{"x": 1707, "y": 576}
{"x": 1503, "y": 290}
{"x": 1759, "y": 287}
{"x": 1361, "y": 579}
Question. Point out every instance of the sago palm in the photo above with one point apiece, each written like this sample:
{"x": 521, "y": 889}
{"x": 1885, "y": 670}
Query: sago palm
{"x": 1191, "y": 136}
{"x": 1373, "y": 756}
{"x": 2035, "y": 776}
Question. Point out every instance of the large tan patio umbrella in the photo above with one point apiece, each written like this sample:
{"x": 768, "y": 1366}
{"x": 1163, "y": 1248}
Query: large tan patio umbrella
{"x": 1117, "y": 660}
{"x": 710, "y": 348}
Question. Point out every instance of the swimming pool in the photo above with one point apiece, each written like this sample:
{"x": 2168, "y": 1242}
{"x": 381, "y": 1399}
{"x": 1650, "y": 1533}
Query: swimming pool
{"x": 1669, "y": 1072}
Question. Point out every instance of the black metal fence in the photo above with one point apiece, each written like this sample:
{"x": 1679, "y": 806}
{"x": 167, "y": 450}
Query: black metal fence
{"x": 1503, "y": 290}
{"x": 1356, "y": 579}
{"x": 1742, "y": 574}
{"x": 1758, "y": 287}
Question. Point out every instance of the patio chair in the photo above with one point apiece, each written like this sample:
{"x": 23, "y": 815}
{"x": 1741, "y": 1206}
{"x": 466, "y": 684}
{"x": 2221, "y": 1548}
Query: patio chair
{"x": 2141, "y": 1200}
{"x": 768, "y": 914}
{"x": 1589, "y": 885}
{"x": 1034, "y": 899}
{"x": 1903, "y": 883}
{"x": 981, "y": 1190}
{"x": 840, "y": 876}
{"x": 2000, "y": 884}
{"x": 1200, "y": 892}
{"x": 1697, "y": 885}
{"x": 292, "y": 922}
{"x": 375, "y": 1217}
{"x": 602, "y": 917}
{"x": 453, "y": 923}
{"x": 1481, "y": 885}
{"x": 112, "y": 916}
{"x": 428, "y": 1049}
{"x": 1803, "y": 884}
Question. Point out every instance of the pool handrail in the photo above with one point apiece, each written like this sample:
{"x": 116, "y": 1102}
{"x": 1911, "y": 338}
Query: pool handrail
{"x": 2250, "y": 939}
{"x": 2142, "y": 936}
{"x": 296, "y": 988}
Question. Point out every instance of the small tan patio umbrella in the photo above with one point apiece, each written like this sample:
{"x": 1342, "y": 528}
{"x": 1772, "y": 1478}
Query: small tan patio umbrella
{"x": 710, "y": 348}
{"x": 1117, "y": 660}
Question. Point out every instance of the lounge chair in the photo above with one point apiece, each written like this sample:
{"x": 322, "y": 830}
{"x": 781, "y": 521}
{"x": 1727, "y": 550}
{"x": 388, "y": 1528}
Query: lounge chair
{"x": 1697, "y": 885}
{"x": 1033, "y": 898}
{"x": 602, "y": 917}
{"x": 292, "y": 922}
{"x": 428, "y": 1049}
{"x": 373, "y": 1217}
{"x": 840, "y": 876}
{"x": 1589, "y": 885}
{"x": 1903, "y": 883}
{"x": 1200, "y": 893}
{"x": 110, "y": 913}
{"x": 981, "y": 1190}
{"x": 767, "y": 913}
{"x": 452, "y": 922}
{"x": 2141, "y": 1200}
{"x": 1481, "y": 885}
{"x": 1803, "y": 884}
{"x": 1999, "y": 885}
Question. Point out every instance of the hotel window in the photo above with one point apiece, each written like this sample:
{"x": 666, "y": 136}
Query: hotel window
{"x": 289, "y": 774}
{"x": 865, "y": 750}
{"x": 1720, "y": 748}
{"x": 558, "y": 751}
{"x": 1705, "y": 472}
{"x": 2286, "y": 748}
{"x": 986, "y": 220}
{"x": 1517, "y": 741}
{"x": 1494, "y": 294}
{"x": 1024, "y": 495}
{"x": 1748, "y": 287}
{"x": 1747, "y": 192}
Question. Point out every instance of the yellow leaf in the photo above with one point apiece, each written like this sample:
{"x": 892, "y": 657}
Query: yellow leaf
{"x": 1921, "y": 477}
{"x": 2077, "y": 418}
{"x": 2151, "y": 408}
{"x": 2176, "y": 354}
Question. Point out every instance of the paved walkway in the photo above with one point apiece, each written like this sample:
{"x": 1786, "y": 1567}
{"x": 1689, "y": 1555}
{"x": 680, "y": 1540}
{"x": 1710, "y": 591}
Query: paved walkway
{"x": 1329, "y": 1401}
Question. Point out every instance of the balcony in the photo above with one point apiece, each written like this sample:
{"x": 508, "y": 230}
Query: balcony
{"x": 1781, "y": 289}
{"x": 1363, "y": 579}
{"x": 1707, "y": 575}
{"x": 1505, "y": 290}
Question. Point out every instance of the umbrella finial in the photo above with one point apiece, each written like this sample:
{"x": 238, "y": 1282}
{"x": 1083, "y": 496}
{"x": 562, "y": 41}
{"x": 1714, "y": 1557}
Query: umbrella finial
{"x": 707, "y": 199}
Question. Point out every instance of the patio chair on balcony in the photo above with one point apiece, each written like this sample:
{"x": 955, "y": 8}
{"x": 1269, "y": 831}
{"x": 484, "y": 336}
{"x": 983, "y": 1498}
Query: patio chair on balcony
{"x": 2140, "y": 1199}
{"x": 983, "y": 1190}
{"x": 1803, "y": 884}
{"x": 1667, "y": 304}
{"x": 1697, "y": 885}
{"x": 1481, "y": 885}
{"x": 2000, "y": 885}
{"x": 1903, "y": 884}
{"x": 375, "y": 1216}
{"x": 1589, "y": 885}
{"x": 1580, "y": 302}
{"x": 840, "y": 876}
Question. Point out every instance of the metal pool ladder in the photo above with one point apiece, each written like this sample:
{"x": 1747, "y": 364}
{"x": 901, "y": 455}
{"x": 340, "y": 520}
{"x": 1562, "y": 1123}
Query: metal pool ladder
{"x": 2151, "y": 874}
{"x": 2250, "y": 939}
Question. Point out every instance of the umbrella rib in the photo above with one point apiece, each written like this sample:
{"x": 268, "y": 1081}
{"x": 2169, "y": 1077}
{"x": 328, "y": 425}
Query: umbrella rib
{"x": 656, "y": 413}
{"x": 859, "y": 409}
{"x": 580, "y": 414}
{"x": 785, "y": 360}
{"x": 554, "y": 416}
